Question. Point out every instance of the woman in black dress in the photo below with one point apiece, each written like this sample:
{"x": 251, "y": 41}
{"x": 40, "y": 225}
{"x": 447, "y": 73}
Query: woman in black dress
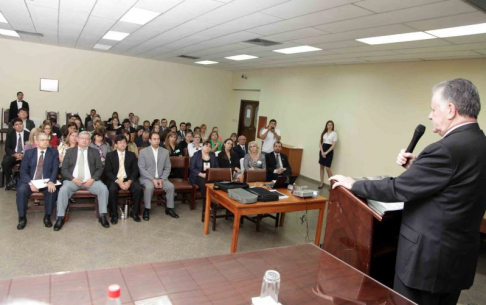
{"x": 227, "y": 158}
{"x": 327, "y": 143}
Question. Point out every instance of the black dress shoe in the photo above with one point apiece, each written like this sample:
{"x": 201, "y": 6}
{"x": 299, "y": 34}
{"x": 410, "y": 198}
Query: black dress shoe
{"x": 47, "y": 221}
{"x": 135, "y": 217}
{"x": 22, "y": 223}
{"x": 104, "y": 222}
{"x": 146, "y": 214}
{"x": 320, "y": 186}
{"x": 114, "y": 219}
{"x": 171, "y": 212}
{"x": 59, "y": 224}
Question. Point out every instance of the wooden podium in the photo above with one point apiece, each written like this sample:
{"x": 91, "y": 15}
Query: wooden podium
{"x": 359, "y": 236}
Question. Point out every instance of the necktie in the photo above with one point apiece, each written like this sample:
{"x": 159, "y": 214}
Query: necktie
{"x": 121, "y": 168}
{"x": 40, "y": 167}
{"x": 243, "y": 147}
{"x": 81, "y": 166}
{"x": 278, "y": 160}
{"x": 19, "y": 144}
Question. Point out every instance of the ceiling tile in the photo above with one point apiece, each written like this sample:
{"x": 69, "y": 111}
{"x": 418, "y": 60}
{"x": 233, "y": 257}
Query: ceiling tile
{"x": 467, "y": 39}
{"x": 30, "y": 38}
{"x": 434, "y": 10}
{"x": 17, "y": 15}
{"x": 54, "y": 4}
{"x": 353, "y": 55}
{"x": 49, "y": 37}
{"x": 94, "y": 30}
{"x": 338, "y": 44}
{"x": 297, "y": 8}
{"x": 297, "y": 34}
{"x": 45, "y": 19}
{"x": 112, "y": 9}
{"x": 380, "y": 6}
{"x": 449, "y": 21}
{"x": 461, "y": 47}
{"x": 395, "y": 46}
{"x": 157, "y": 5}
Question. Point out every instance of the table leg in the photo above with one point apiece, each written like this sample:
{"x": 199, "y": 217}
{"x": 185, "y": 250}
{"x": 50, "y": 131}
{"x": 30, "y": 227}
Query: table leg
{"x": 282, "y": 219}
{"x": 236, "y": 230}
{"x": 208, "y": 210}
{"x": 319, "y": 226}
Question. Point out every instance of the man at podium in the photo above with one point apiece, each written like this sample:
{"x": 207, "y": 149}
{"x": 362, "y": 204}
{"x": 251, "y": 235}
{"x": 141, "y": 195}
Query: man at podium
{"x": 445, "y": 200}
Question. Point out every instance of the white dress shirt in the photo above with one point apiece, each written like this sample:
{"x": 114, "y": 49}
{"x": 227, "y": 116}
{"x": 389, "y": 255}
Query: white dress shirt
{"x": 269, "y": 140}
{"x": 279, "y": 163}
{"x": 455, "y": 127}
{"x": 87, "y": 173}
{"x": 19, "y": 104}
{"x": 156, "y": 154}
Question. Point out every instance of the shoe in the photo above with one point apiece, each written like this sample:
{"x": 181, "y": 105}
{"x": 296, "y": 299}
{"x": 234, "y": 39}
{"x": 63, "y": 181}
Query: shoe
{"x": 72, "y": 200}
{"x": 114, "y": 219}
{"x": 104, "y": 222}
{"x": 146, "y": 214}
{"x": 59, "y": 224}
{"x": 135, "y": 217}
{"x": 22, "y": 223}
{"x": 171, "y": 212}
{"x": 320, "y": 186}
{"x": 47, "y": 221}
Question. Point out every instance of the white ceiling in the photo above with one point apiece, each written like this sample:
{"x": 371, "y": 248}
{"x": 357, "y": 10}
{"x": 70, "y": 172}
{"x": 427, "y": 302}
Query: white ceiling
{"x": 215, "y": 29}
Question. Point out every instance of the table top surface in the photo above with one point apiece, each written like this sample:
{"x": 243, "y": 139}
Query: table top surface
{"x": 309, "y": 275}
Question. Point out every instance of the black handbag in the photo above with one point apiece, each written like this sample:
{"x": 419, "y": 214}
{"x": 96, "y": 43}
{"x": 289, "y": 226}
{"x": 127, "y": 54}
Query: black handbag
{"x": 227, "y": 185}
{"x": 12, "y": 184}
{"x": 263, "y": 194}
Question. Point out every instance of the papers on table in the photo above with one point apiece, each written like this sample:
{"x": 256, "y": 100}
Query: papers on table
{"x": 280, "y": 195}
{"x": 383, "y": 207}
{"x": 42, "y": 183}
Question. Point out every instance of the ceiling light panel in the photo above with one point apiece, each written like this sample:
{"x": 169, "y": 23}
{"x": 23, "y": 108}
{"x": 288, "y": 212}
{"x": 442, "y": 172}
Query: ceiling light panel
{"x": 396, "y": 38}
{"x": 113, "y": 35}
{"x": 206, "y": 62}
{"x": 2, "y": 18}
{"x": 241, "y": 57}
{"x": 301, "y": 49}
{"x": 8, "y": 33}
{"x": 460, "y": 31}
{"x": 139, "y": 16}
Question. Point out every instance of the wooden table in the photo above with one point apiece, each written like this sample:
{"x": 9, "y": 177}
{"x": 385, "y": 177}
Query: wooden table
{"x": 290, "y": 204}
{"x": 308, "y": 274}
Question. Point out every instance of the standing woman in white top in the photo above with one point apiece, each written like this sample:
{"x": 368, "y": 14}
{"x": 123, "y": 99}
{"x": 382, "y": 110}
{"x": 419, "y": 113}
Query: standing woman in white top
{"x": 327, "y": 144}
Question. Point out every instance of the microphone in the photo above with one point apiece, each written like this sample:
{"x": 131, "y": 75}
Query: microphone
{"x": 419, "y": 132}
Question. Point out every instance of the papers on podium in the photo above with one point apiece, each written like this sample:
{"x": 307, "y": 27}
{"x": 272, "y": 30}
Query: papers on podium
{"x": 378, "y": 206}
{"x": 42, "y": 183}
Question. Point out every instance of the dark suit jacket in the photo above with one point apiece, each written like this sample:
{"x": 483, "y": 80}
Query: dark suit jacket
{"x": 14, "y": 110}
{"x": 29, "y": 165}
{"x": 445, "y": 200}
{"x": 271, "y": 162}
{"x": 112, "y": 165}
{"x": 131, "y": 130}
{"x": 29, "y": 124}
{"x": 196, "y": 164}
{"x": 11, "y": 141}
{"x": 71, "y": 157}
{"x": 239, "y": 151}
{"x": 225, "y": 163}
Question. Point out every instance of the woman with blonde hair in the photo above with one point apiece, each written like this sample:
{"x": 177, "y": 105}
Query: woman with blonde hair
{"x": 203, "y": 132}
{"x": 31, "y": 142}
{"x": 47, "y": 129}
{"x": 254, "y": 159}
{"x": 171, "y": 145}
{"x": 71, "y": 141}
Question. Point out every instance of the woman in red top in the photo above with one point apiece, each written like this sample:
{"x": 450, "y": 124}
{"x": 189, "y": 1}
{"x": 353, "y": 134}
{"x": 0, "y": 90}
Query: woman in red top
{"x": 47, "y": 129}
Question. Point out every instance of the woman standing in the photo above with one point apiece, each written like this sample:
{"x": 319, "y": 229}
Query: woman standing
{"x": 327, "y": 143}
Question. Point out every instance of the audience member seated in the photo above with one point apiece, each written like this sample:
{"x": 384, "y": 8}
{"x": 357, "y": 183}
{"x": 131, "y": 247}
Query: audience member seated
{"x": 171, "y": 145}
{"x": 172, "y": 123}
{"x": 163, "y": 125}
{"x": 181, "y": 134}
{"x": 134, "y": 122}
{"x": 70, "y": 142}
{"x": 146, "y": 125}
{"x": 98, "y": 142}
{"x": 16, "y": 105}
{"x": 200, "y": 162}
{"x": 143, "y": 140}
{"x": 254, "y": 159}
{"x": 227, "y": 158}
{"x": 126, "y": 126}
{"x": 41, "y": 162}
{"x": 121, "y": 170}
{"x": 23, "y": 114}
{"x": 30, "y": 143}
{"x": 92, "y": 124}
{"x": 187, "y": 140}
{"x": 71, "y": 119}
{"x": 113, "y": 115}
{"x": 197, "y": 129}
{"x": 53, "y": 139}
{"x": 234, "y": 138}
{"x": 89, "y": 117}
{"x": 14, "y": 150}
{"x": 71, "y": 126}
{"x": 154, "y": 122}
{"x": 216, "y": 145}
{"x": 156, "y": 129}
{"x": 204, "y": 137}
{"x": 131, "y": 115}
{"x": 115, "y": 125}
{"x": 82, "y": 169}
{"x": 196, "y": 145}
{"x": 215, "y": 129}
{"x": 277, "y": 163}
{"x": 154, "y": 165}
{"x": 130, "y": 145}
{"x": 188, "y": 127}
{"x": 55, "y": 126}
{"x": 241, "y": 148}
{"x": 79, "y": 123}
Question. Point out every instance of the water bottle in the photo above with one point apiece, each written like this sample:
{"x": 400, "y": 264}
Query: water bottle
{"x": 114, "y": 295}
{"x": 271, "y": 285}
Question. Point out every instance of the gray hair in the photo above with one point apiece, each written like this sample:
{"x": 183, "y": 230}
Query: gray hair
{"x": 463, "y": 94}
{"x": 84, "y": 133}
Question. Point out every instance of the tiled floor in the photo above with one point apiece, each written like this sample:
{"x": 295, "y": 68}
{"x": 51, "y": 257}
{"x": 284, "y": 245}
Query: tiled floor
{"x": 83, "y": 244}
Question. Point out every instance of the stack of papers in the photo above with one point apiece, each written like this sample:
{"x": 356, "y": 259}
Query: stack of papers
{"x": 42, "y": 183}
{"x": 383, "y": 207}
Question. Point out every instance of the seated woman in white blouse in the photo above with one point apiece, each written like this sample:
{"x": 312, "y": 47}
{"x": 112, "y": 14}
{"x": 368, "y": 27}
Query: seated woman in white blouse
{"x": 254, "y": 159}
{"x": 195, "y": 145}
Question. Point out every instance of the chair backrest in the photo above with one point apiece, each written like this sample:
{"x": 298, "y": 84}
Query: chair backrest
{"x": 5, "y": 117}
{"x": 52, "y": 113}
{"x": 111, "y": 134}
{"x": 68, "y": 115}
{"x": 181, "y": 162}
{"x": 256, "y": 175}
{"x": 185, "y": 152}
{"x": 218, "y": 174}
{"x": 242, "y": 165}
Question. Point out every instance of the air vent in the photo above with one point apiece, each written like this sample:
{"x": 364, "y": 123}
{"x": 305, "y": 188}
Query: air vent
{"x": 188, "y": 57}
{"x": 30, "y": 33}
{"x": 262, "y": 42}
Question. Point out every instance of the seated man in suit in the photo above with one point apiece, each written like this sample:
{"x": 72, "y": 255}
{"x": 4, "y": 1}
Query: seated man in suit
{"x": 121, "y": 169}
{"x": 41, "y": 162}
{"x": 241, "y": 148}
{"x": 277, "y": 163}
{"x": 23, "y": 115}
{"x": 127, "y": 124}
{"x": 143, "y": 139}
{"x": 82, "y": 169}
{"x": 89, "y": 117}
{"x": 14, "y": 149}
{"x": 154, "y": 165}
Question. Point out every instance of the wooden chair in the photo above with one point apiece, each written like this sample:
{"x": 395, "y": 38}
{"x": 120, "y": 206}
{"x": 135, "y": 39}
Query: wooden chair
{"x": 82, "y": 194}
{"x": 214, "y": 175}
{"x": 182, "y": 185}
{"x": 68, "y": 115}
{"x": 5, "y": 121}
{"x": 52, "y": 113}
{"x": 259, "y": 175}
{"x": 38, "y": 196}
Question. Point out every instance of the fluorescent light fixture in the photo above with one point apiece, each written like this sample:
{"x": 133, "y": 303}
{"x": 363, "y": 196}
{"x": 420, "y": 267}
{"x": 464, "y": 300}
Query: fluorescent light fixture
{"x": 206, "y": 62}
{"x": 241, "y": 57}
{"x": 2, "y": 18}
{"x": 50, "y": 85}
{"x": 9, "y": 33}
{"x": 300, "y": 49}
{"x": 102, "y": 47}
{"x": 396, "y": 38}
{"x": 139, "y": 16}
{"x": 113, "y": 35}
{"x": 460, "y": 31}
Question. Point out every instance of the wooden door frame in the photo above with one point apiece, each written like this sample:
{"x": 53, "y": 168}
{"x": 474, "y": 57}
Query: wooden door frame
{"x": 240, "y": 120}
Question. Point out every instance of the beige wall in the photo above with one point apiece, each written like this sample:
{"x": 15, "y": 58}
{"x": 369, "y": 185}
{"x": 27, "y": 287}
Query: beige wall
{"x": 375, "y": 107}
{"x": 88, "y": 79}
